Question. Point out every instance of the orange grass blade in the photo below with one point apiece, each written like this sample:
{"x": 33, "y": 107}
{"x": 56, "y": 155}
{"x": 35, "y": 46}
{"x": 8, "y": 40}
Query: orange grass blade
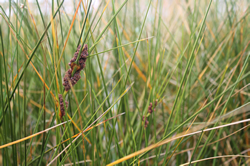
{"x": 6, "y": 62}
{"x": 103, "y": 114}
{"x": 140, "y": 73}
{"x": 181, "y": 139}
{"x": 92, "y": 128}
{"x": 189, "y": 149}
{"x": 78, "y": 129}
{"x": 30, "y": 61}
{"x": 136, "y": 68}
{"x": 36, "y": 104}
{"x": 172, "y": 139}
{"x": 67, "y": 38}
{"x": 31, "y": 136}
{"x": 215, "y": 157}
{"x": 84, "y": 131}
{"x": 13, "y": 82}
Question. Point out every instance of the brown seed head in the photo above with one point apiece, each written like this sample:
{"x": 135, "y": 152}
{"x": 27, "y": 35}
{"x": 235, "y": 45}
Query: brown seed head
{"x": 62, "y": 110}
{"x": 68, "y": 79}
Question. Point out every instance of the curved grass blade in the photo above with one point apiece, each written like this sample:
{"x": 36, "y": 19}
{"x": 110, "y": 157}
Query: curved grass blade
{"x": 26, "y": 65}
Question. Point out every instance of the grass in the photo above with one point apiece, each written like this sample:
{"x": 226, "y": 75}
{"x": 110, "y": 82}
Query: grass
{"x": 191, "y": 57}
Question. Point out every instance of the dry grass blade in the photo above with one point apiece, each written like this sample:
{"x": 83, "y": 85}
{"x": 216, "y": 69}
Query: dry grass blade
{"x": 91, "y": 124}
{"x": 33, "y": 135}
{"x": 181, "y": 135}
{"x": 216, "y": 157}
{"x": 192, "y": 57}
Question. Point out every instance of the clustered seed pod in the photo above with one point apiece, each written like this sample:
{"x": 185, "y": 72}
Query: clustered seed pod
{"x": 150, "y": 107}
{"x": 146, "y": 123}
{"x": 62, "y": 110}
{"x": 150, "y": 110}
{"x": 144, "y": 119}
{"x": 82, "y": 59}
{"x": 69, "y": 80}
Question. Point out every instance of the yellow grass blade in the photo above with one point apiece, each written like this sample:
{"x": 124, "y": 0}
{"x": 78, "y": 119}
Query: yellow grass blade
{"x": 31, "y": 136}
{"x": 11, "y": 30}
{"x": 67, "y": 38}
{"x": 180, "y": 135}
{"x": 78, "y": 129}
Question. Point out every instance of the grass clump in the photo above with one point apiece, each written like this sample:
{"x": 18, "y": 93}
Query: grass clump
{"x": 162, "y": 82}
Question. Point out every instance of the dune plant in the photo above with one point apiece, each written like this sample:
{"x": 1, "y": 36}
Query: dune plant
{"x": 126, "y": 82}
